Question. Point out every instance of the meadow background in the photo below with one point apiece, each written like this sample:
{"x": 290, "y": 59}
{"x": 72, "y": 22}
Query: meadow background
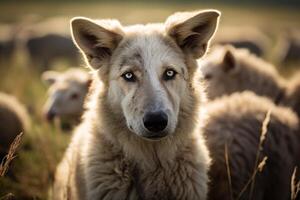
{"x": 31, "y": 172}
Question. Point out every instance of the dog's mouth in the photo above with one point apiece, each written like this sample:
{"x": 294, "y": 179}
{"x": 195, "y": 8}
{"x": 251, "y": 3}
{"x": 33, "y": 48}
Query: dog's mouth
{"x": 155, "y": 136}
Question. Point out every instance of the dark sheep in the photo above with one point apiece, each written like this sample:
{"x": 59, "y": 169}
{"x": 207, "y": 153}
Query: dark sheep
{"x": 44, "y": 50}
{"x": 236, "y": 121}
{"x": 246, "y": 37}
{"x": 14, "y": 119}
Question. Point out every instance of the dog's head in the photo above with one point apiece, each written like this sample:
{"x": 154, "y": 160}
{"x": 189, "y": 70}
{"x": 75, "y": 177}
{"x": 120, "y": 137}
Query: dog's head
{"x": 146, "y": 68}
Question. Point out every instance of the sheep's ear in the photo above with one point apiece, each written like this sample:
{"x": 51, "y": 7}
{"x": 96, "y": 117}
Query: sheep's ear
{"x": 50, "y": 77}
{"x": 229, "y": 61}
{"x": 88, "y": 80}
{"x": 192, "y": 31}
{"x": 89, "y": 83}
{"x": 96, "y": 39}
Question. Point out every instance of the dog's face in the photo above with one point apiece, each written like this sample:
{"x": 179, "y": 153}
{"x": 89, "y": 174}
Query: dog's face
{"x": 148, "y": 78}
{"x": 145, "y": 67}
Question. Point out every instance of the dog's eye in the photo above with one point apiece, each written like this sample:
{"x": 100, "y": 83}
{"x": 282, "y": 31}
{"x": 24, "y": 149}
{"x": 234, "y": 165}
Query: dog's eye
{"x": 129, "y": 76}
{"x": 169, "y": 74}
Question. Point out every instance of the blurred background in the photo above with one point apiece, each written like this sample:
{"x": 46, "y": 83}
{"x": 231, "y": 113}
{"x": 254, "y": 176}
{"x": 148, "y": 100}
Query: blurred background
{"x": 35, "y": 37}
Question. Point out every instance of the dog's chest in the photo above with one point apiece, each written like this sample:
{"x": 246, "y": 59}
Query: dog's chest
{"x": 178, "y": 181}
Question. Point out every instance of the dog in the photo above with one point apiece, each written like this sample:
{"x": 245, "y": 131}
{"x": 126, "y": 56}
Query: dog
{"x": 140, "y": 137}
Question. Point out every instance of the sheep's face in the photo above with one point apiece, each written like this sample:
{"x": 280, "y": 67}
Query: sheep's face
{"x": 219, "y": 71}
{"x": 65, "y": 96}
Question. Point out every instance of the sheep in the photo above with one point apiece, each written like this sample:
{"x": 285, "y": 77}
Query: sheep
{"x": 287, "y": 48}
{"x": 66, "y": 95}
{"x": 14, "y": 119}
{"x": 7, "y": 48}
{"x": 227, "y": 70}
{"x": 44, "y": 50}
{"x": 292, "y": 94}
{"x": 236, "y": 121}
{"x": 8, "y": 43}
{"x": 250, "y": 38}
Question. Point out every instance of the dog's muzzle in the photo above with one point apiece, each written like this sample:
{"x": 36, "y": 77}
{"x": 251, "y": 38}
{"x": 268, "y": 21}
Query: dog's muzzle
{"x": 155, "y": 123}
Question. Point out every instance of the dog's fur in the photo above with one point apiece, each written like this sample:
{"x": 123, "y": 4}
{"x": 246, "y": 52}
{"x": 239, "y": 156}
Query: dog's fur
{"x": 66, "y": 95}
{"x": 110, "y": 156}
{"x": 227, "y": 70}
{"x": 236, "y": 120}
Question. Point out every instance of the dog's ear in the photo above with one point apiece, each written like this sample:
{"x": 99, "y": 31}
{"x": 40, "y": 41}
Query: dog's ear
{"x": 50, "y": 77}
{"x": 192, "y": 31}
{"x": 229, "y": 61}
{"x": 96, "y": 39}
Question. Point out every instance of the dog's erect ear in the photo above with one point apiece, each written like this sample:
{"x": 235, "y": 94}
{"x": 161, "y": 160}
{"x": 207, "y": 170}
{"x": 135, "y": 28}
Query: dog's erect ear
{"x": 96, "y": 39}
{"x": 192, "y": 31}
{"x": 50, "y": 77}
{"x": 229, "y": 62}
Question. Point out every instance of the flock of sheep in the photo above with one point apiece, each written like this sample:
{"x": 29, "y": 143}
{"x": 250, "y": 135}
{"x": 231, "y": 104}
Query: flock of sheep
{"x": 237, "y": 77}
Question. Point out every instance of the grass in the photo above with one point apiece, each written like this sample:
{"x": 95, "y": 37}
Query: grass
{"x": 228, "y": 171}
{"x": 295, "y": 185}
{"x": 11, "y": 155}
{"x": 31, "y": 173}
{"x": 258, "y": 167}
{"x": 259, "y": 149}
{"x": 4, "y": 166}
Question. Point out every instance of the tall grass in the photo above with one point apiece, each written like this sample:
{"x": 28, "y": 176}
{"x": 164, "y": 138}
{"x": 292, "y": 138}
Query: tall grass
{"x": 260, "y": 148}
{"x": 11, "y": 155}
{"x": 31, "y": 172}
{"x": 295, "y": 185}
{"x": 258, "y": 166}
{"x": 228, "y": 171}
{"x": 7, "y": 160}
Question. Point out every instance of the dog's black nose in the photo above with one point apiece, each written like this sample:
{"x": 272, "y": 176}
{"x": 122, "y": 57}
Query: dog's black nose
{"x": 155, "y": 121}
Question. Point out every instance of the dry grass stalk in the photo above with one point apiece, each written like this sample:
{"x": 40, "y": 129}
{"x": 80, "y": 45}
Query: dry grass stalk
{"x": 258, "y": 169}
{"x": 9, "y": 196}
{"x": 262, "y": 138}
{"x": 228, "y": 171}
{"x": 11, "y": 155}
{"x": 261, "y": 165}
{"x": 295, "y": 186}
{"x": 258, "y": 166}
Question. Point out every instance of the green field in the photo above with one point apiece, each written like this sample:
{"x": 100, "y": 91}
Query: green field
{"x": 31, "y": 173}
